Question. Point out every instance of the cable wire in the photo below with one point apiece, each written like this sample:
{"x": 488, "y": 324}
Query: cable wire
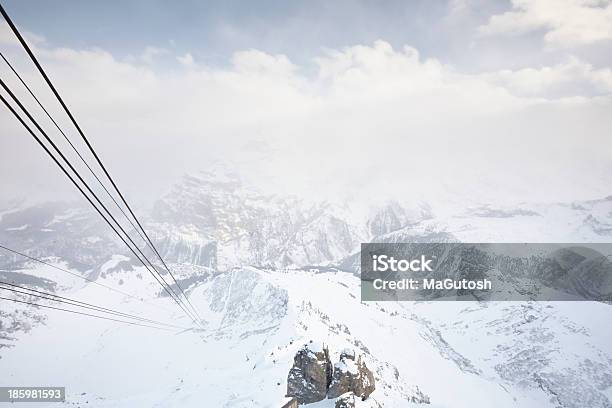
{"x": 165, "y": 285}
{"x": 84, "y": 314}
{"x": 95, "y": 282}
{"x": 71, "y": 144}
{"x": 50, "y": 141}
{"x": 91, "y": 149}
{"x": 63, "y": 157}
{"x": 78, "y": 303}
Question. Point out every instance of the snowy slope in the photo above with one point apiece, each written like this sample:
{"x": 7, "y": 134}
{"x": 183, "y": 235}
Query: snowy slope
{"x": 243, "y": 256}
{"x": 513, "y": 354}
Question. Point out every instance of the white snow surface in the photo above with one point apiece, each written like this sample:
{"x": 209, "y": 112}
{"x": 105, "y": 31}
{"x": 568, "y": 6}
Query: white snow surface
{"x": 256, "y": 320}
{"x": 459, "y": 354}
{"x": 19, "y": 228}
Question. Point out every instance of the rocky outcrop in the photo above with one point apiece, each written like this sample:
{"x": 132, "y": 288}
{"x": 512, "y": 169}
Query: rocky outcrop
{"x": 349, "y": 400}
{"x": 217, "y": 219}
{"x": 310, "y": 376}
{"x": 345, "y": 401}
{"x": 351, "y": 376}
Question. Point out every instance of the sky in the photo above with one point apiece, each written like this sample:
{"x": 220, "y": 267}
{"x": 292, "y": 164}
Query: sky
{"x": 485, "y": 101}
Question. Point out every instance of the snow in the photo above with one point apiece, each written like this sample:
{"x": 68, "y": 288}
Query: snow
{"x": 315, "y": 346}
{"x": 463, "y": 354}
{"x": 113, "y": 262}
{"x": 283, "y": 401}
{"x": 50, "y": 272}
{"x": 20, "y": 228}
{"x": 10, "y": 210}
{"x": 257, "y": 320}
{"x": 347, "y": 366}
{"x": 63, "y": 217}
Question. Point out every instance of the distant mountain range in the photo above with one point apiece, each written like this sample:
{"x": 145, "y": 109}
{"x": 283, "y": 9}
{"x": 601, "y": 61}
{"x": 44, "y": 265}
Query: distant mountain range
{"x": 247, "y": 261}
{"x": 215, "y": 221}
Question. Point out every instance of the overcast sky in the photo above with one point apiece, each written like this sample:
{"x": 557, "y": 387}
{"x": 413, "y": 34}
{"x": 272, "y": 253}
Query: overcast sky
{"x": 491, "y": 101}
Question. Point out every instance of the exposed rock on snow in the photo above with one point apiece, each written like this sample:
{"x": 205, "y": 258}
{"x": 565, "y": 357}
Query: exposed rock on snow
{"x": 350, "y": 400}
{"x": 12, "y": 322}
{"x": 347, "y": 353}
{"x": 351, "y": 376}
{"x": 346, "y": 401}
{"x": 525, "y": 354}
{"x": 243, "y": 304}
{"x": 310, "y": 375}
{"x": 394, "y": 216}
{"x": 311, "y": 378}
{"x": 220, "y": 219}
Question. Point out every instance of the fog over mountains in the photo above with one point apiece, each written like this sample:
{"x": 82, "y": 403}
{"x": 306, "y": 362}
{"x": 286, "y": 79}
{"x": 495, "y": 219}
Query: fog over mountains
{"x": 270, "y": 273}
{"x": 319, "y": 126}
{"x": 212, "y": 219}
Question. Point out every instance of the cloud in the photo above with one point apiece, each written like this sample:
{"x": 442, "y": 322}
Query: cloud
{"x": 150, "y": 53}
{"x": 186, "y": 60}
{"x": 571, "y": 78}
{"x": 566, "y": 23}
{"x": 259, "y": 63}
{"x": 370, "y": 120}
{"x": 8, "y": 38}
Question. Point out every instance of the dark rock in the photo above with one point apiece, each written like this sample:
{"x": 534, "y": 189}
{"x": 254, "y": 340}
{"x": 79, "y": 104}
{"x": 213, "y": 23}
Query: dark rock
{"x": 348, "y": 353}
{"x": 310, "y": 376}
{"x": 350, "y": 400}
{"x": 345, "y": 401}
{"x": 351, "y": 376}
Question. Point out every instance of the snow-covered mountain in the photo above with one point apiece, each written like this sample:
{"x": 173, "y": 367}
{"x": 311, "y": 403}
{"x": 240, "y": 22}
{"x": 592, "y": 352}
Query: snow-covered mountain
{"x": 246, "y": 258}
{"x": 509, "y": 354}
{"x": 214, "y": 220}
{"x": 248, "y": 227}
